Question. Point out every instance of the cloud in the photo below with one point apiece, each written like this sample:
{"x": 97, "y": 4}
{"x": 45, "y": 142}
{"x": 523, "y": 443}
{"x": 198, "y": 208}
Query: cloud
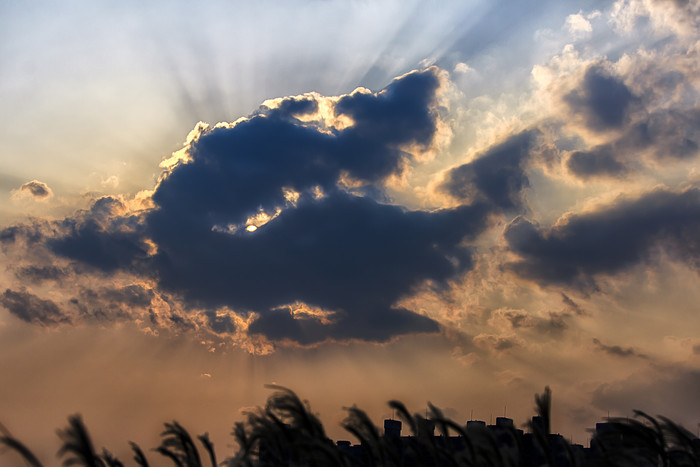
{"x": 246, "y": 167}
{"x": 110, "y": 182}
{"x": 572, "y": 305}
{"x": 281, "y": 324}
{"x": 607, "y": 240}
{"x": 462, "y": 68}
{"x": 618, "y": 351}
{"x": 662, "y": 135}
{"x": 598, "y": 161}
{"x": 220, "y": 323}
{"x": 553, "y": 324}
{"x": 309, "y": 173}
{"x": 37, "y": 274}
{"x": 26, "y": 234}
{"x": 651, "y": 389}
{"x": 341, "y": 253}
{"x": 346, "y": 254}
{"x": 603, "y": 100}
{"x": 517, "y": 318}
{"x": 676, "y": 16}
{"x": 32, "y": 309}
{"x": 497, "y": 176}
{"x": 101, "y": 237}
{"x": 579, "y": 25}
{"x": 674, "y": 133}
{"x": 496, "y": 343}
{"x": 112, "y": 303}
{"x": 133, "y": 295}
{"x": 35, "y": 189}
{"x": 622, "y": 118}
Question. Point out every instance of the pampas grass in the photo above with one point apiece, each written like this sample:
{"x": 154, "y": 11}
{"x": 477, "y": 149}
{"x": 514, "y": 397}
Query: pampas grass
{"x": 285, "y": 432}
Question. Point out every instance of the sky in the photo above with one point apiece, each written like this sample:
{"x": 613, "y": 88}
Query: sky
{"x": 448, "y": 202}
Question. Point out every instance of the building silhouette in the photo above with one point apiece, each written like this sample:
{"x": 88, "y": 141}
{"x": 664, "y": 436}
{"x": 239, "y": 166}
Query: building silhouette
{"x": 503, "y": 444}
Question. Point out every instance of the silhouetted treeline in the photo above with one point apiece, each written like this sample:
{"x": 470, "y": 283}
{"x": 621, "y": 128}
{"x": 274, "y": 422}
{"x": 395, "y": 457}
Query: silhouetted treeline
{"x": 286, "y": 433}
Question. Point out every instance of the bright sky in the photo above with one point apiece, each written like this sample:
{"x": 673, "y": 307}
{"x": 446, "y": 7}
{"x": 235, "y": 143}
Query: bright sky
{"x": 454, "y": 202}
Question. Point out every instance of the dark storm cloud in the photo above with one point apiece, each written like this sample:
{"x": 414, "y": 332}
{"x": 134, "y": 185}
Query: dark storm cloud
{"x": 354, "y": 256}
{"x": 101, "y": 237}
{"x": 608, "y": 240}
{"x": 237, "y": 170}
{"x": 340, "y": 253}
{"x": 32, "y": 309}
{"x": 281, "y": 324}
{"x": 497, "y": 176}
{"x": 37, "y": 189}
{"x": 603, "y": 100}
{"x": 372, "y": 324}
{"x": 618, "y": 351}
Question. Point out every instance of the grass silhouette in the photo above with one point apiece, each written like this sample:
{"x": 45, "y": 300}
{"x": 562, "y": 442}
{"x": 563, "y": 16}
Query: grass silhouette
{"x": 285, "y": 432}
